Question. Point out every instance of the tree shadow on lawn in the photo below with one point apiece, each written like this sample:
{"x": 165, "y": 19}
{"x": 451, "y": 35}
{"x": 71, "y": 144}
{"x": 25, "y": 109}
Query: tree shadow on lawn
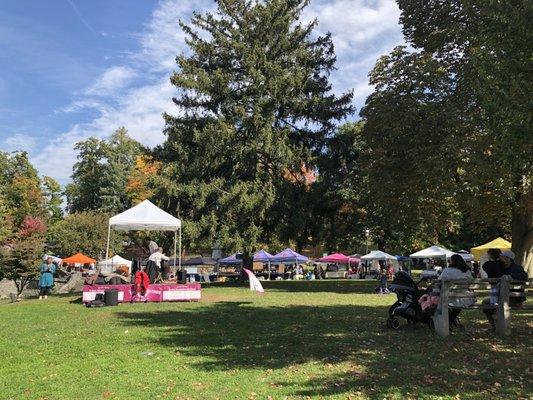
{"x": 375, "y": 362}
{"x": 321, "y": 285}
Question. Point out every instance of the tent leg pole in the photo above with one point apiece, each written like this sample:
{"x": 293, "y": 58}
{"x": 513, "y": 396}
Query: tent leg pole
{"x": 175, "y": 254}
{"x": 107, "y": 247}
{"x": 179, "y": 249}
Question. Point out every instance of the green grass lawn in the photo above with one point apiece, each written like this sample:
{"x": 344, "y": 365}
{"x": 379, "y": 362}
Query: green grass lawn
{"x": 321, "y": 339}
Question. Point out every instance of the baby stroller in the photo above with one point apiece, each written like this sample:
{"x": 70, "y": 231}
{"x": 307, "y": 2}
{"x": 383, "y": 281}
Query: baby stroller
{"x": 407, "y": 305}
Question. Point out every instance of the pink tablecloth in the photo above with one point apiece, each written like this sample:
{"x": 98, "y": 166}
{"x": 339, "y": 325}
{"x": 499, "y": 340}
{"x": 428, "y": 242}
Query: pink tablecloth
{"x": 156, "y": 292}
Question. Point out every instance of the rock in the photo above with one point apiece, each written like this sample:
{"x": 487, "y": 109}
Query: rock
{"x": 74, "y": 284}
{"x": 7, "y": 287}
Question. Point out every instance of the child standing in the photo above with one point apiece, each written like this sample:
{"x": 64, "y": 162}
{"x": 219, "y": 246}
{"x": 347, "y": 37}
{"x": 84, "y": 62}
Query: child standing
{"x": 383, "y": 281}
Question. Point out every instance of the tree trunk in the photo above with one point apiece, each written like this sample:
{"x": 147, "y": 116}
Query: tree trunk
{"x": 522, "y": 233}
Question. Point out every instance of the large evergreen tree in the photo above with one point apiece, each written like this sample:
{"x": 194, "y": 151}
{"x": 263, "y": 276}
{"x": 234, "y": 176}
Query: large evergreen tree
{"x": 255, "y": 106}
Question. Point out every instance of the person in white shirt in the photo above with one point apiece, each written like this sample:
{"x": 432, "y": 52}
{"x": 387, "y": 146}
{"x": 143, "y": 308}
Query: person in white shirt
{"x": 458, "y": 270}
{"x": 158, "y": 256}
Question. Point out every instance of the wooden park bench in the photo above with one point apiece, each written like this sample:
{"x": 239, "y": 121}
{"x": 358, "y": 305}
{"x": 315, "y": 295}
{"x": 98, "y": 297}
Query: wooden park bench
{"x": 450, "y": 290}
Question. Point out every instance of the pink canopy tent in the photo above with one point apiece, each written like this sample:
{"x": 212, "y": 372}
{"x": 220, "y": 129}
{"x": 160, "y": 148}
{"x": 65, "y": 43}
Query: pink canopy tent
{"x": 339, "y": 258}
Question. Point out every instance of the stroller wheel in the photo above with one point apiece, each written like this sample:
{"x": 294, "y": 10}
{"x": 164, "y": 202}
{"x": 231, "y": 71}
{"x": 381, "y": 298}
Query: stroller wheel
{"x": 431, "y": 324}
{"x": 393, "y": 323}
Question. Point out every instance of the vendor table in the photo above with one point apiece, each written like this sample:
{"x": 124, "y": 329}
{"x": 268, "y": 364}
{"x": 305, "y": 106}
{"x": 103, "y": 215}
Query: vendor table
{"x": 156, "y": 292}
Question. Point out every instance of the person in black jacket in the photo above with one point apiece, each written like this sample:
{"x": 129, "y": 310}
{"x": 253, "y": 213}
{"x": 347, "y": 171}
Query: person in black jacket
{"x": 517, "y": 273}
{"x": 493, "y": 267}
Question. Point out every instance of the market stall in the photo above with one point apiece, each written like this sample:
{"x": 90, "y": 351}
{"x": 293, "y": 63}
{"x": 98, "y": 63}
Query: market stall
{"x": 260, "y": 256}
{"x": 338, "y": 258}
{"x": 155, "y": 293}
{"x": 433, "y": 252}
{"x": 499, "y": 243}
{"x": 146, "y": 216}
{"x": 288, "y": 256}
{"x": 375, "y": 256}
{"x": 78, "y": 260}
{"x": 110, "y": 265}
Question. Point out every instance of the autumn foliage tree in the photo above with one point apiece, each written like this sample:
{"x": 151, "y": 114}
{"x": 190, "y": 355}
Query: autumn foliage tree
{"x": 142, "y": 178}
{"x": 21, "y": 255}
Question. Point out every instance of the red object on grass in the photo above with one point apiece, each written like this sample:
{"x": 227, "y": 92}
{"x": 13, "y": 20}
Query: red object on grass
{"x": 142, "y": 281}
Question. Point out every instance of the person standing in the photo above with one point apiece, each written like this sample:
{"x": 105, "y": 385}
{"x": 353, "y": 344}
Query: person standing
{"x": 46, "y": 280}
{"x": 383, "y": 281}
{"x": 157, "y": 257}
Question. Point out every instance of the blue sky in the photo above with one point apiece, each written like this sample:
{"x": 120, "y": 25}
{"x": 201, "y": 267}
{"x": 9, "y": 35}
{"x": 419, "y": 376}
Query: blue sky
{"x": 71, "y": 69}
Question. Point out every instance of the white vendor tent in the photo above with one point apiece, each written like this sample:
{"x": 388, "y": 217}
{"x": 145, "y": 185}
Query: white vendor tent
{"x": 378, "y": 255}
{"x": 433, "y": 252}
{"x": 146, "y": 216}
{"x": 110, "y": 265}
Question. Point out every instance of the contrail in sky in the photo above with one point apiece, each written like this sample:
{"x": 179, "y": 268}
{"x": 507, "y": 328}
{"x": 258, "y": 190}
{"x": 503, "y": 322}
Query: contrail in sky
{"x": 84, "y": 22}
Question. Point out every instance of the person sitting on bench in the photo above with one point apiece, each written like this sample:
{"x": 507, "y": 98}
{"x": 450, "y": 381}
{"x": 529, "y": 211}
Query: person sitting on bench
{"x": 517, "y": 273}
{"x": 458, "y": 269}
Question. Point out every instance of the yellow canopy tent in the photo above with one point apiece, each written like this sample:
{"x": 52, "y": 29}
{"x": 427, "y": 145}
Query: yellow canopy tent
{"x": 498, "y": 243}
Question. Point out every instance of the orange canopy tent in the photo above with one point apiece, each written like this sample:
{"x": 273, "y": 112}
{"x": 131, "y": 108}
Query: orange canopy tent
{"x": 79, "y": 258}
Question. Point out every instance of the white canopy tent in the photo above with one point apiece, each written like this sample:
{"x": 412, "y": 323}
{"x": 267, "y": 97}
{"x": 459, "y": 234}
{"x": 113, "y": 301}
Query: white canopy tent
{"x": 111, "y": 264}
{"x": 378, "y": 255}
{"x": 146, "y": 216}
{"x": 433, "y": 252}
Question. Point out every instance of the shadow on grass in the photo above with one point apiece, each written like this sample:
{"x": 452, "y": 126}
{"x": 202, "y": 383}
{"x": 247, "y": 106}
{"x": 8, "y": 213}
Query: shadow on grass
{"x": 353, "y": 350}
{"x": 322, "y": 285}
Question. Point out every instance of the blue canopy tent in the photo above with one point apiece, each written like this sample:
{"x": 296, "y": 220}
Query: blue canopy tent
{"x": 259, "y": 256}
{"x": 264, "y": 257}
{"x": 289, "y": 256}
{"x": 230, "y": 260}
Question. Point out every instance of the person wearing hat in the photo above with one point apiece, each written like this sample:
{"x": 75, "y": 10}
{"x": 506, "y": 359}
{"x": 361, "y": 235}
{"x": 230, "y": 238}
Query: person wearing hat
{"x": 517, "y": 273}
{"x": 511, "y": 268}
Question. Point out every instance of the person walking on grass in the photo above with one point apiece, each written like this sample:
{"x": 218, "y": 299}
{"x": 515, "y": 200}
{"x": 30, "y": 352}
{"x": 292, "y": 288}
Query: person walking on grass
{"x": 46, "y": 280}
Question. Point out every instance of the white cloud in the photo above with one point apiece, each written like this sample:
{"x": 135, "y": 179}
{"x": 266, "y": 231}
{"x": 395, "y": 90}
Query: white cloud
{"x": 138, "y": 108}
{"x": 355, "y": 22}
{"x": 362, "y": 30}
{"x": 20, "y": 142}
{"x": 112, "y": 80}
{"x": 164, "y": 39}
